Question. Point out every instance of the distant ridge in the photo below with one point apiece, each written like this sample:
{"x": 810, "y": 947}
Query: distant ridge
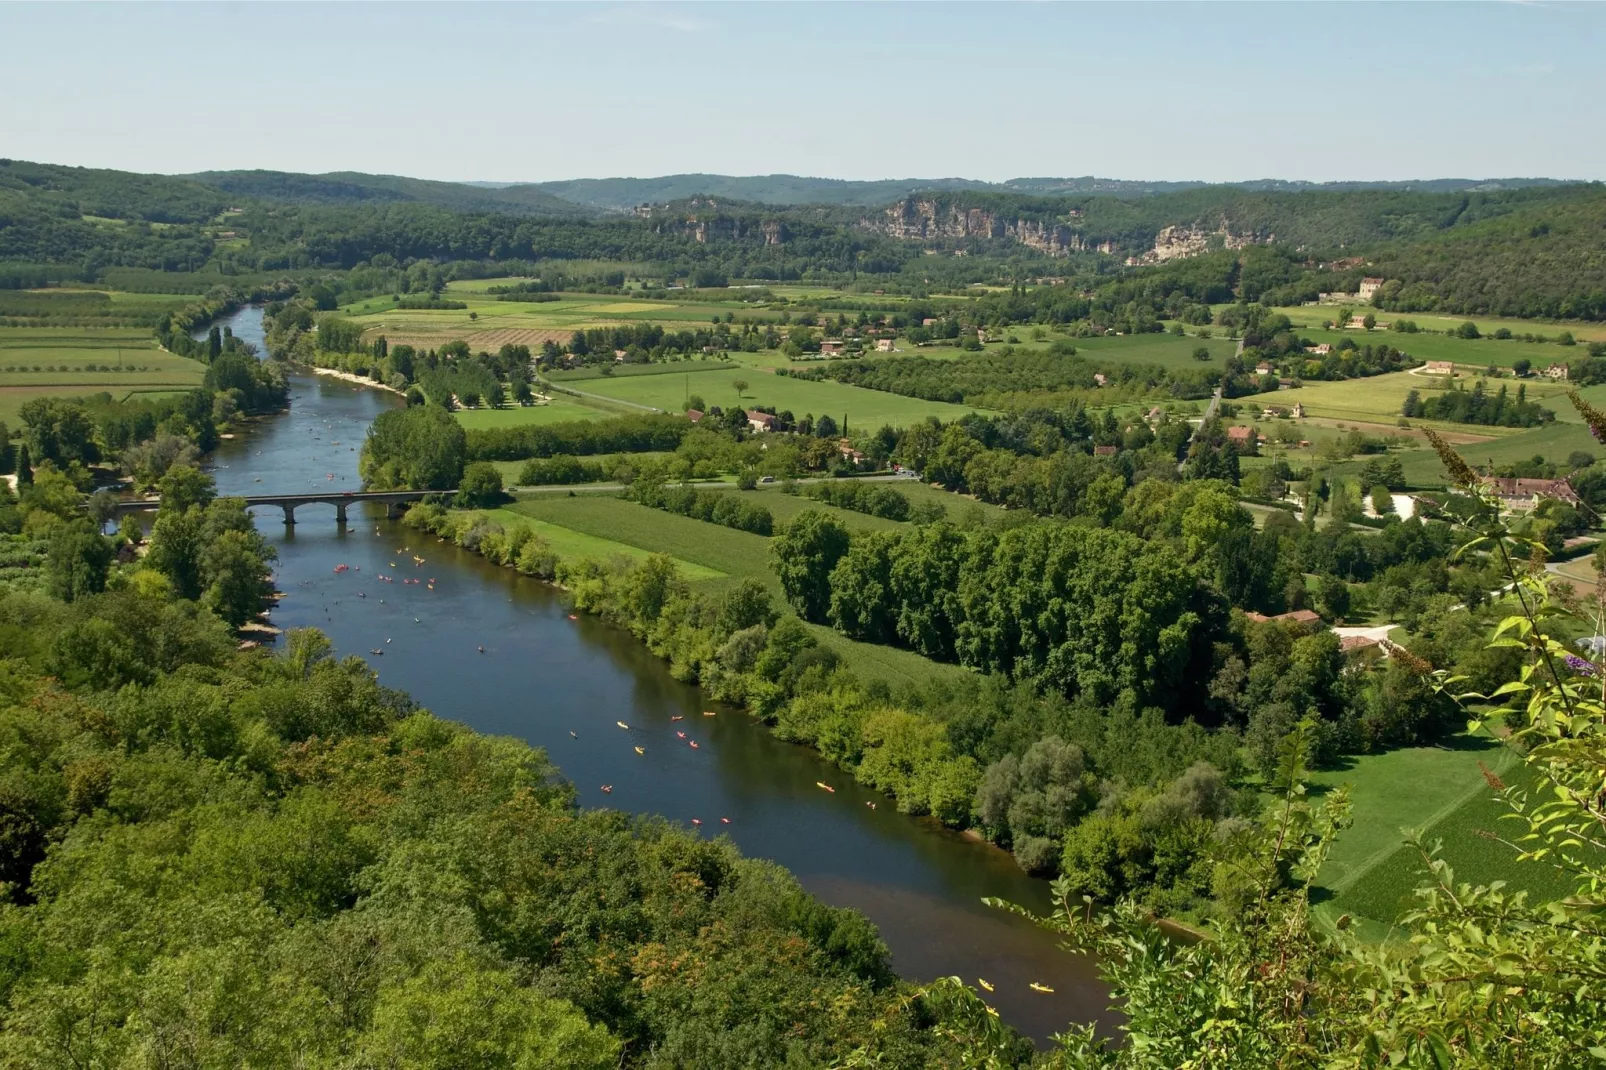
{"x": 353, "y": 187}
{"x": 618, "y": 194}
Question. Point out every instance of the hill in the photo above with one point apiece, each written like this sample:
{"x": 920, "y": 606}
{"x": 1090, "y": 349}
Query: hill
{"x": 619, "y": 194}
{"x": 353, "y": 187}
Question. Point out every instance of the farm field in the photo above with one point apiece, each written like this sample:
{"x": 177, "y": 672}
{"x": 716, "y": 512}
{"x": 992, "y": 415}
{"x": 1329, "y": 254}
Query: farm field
{"x": 1372, "y": 873}
{"x": 1583, "y": 331}
{"x": 1166, "y": 350}
{"x": 77, "y": 361}
{"x": 559, "y": 410}
{"x": 863, "y": 408}
{"x": 1378, "y": 399}
{"x": 736, "y": 554}
{"x": 569, "y": 542}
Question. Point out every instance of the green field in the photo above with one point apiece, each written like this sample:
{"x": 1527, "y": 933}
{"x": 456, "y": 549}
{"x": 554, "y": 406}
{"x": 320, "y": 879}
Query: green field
{"x": 1371, "y": 872}
{"x": 1166, "y": 350}
{"x": 560, "y": 409}
{"x": 864, "y": 409}
{"x": 1312, "y": 316}
{"x": 733, "y": 555}
{"x": 77, "y": 361}
{"x": 569, "y": 542}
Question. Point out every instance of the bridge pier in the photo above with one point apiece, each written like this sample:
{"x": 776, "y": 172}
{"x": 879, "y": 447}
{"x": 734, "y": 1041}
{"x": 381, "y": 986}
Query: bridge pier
{"x": 340, "y": 513}
{"x": 289, "y": 515}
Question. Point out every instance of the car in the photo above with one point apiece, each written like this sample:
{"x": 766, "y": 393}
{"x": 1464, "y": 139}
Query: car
{"x": 767, "y": 479}
{"x": 345, "y": 494}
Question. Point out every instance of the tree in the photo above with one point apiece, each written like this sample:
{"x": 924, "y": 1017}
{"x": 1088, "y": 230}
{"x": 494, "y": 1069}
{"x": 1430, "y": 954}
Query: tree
{"x": 1520, "y": 368}
{"x": 803, "y": 554}
{"x": 24, "y": 466}
{"x": 185, "y": 486}
{"x": 1332, "y": 593}
{"x": 177, "y": 541}
{"x": 58, "y": 431}
{"x": 740, "y": 385}
{"x": 1201, "y": 354}
{"x": 419, "y": 447}
{"x": 480, "y": 486}
{"x": 695, "y": 401}
{"x": 825, "y": 427}
{"x": 78, "y": 560}
{"x": 236, "y": 576}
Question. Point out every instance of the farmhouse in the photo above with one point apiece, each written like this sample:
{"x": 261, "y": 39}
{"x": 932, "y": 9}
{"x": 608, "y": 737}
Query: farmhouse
{"x": 1321, "y": 349}
{"x": 1297, "y": 616}
{"x": 1439, "y": 367}
{"x": 1556, "y": 371}
{"x": 1299, "y": 410}
{"x": 760, "y": 421}
{"x": 1240, "y": 434}
{"x": 1369, "y": 286}
{"x": 928, "y": 322}
{"x": 883, "y": 345}
{"x": 694, "y": 415}
{"x": 830, "y": 349}
{"x": 1526, "y": 494}
{"x": 1099, "y": 379}
{"x": 1263, "y": 368}
{"x": 1155, "y": 415}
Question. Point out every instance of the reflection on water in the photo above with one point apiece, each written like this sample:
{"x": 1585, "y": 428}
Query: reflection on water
{"x": 543, "y": 676}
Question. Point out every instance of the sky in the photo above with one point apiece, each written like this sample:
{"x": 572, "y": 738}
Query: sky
{"x": 534, "y": 92}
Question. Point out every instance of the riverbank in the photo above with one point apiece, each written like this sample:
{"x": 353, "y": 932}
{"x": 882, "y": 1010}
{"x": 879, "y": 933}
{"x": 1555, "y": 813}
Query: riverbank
{"x": 349, "y": 377}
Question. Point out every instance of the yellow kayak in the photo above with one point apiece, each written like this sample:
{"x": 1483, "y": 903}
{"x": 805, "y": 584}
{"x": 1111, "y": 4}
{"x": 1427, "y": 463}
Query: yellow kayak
{"x": 1035, "y": 987}
{"x": 827, "y": 787}
{"x": 642, "y": 750}
{"x": 984, "y": 984}
{"x": 621, "y": 724}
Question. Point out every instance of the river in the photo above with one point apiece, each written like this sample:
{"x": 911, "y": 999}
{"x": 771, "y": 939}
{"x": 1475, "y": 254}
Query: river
{"x": 543, "y": 676}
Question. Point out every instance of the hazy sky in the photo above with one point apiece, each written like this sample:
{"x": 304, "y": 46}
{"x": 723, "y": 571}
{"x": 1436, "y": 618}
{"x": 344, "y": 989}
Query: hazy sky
{"x": 508, "y": 91}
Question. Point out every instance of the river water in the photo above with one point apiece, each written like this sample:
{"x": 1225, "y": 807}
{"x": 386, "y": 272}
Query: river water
{"x": 543, "y": 676}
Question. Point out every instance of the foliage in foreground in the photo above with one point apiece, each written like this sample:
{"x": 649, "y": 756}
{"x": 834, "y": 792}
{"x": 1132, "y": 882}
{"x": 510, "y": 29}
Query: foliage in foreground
{"x": 214, "y": 857}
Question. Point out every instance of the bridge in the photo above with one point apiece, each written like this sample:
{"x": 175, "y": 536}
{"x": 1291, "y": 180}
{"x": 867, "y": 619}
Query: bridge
{"x": 394, "y": 502}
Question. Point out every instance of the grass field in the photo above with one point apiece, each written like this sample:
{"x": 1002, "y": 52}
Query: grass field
{"x": 1312, "y": 316}
{"x": 734, "y": 555}
{"x": 1372, "y": 873}
{"x": 560, "y": 409}
{"x": 864, "y": 409}
{"x": 77, "y": 361}
{"x": 569, "y": 542}
{"x": 1166, "y": 350}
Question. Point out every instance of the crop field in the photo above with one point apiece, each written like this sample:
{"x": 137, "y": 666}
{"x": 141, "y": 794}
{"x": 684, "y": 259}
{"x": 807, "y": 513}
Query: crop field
{"x": 610, "y": 371}
{"x": 1372, "y": 873}
{"x": 72, "y": 362}
{"x": 863, "y": 408}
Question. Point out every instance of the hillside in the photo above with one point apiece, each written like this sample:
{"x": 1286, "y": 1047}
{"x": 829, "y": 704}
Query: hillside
{"x": 619, "y": 194}
{"x": 353, "y": 187}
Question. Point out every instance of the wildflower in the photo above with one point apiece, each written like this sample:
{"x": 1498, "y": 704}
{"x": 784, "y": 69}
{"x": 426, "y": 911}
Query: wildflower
{"x": 1578, "y": 664}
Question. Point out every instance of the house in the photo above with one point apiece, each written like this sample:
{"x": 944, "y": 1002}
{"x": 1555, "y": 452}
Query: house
{"x": 1272, "y": 412}
{"x": 883, "y": 345}
{"x": 1556, "y": 371}
{"x": 694, "y": 415}
{"x": 1299, "y": 410}
{"x": 1240, "y": 434}
{"x": 1356, "y": 323}
{"x": 1369, "y": 286}
{"x": 830, "y": 349}
{"x": 1439, "y": 367}
{"x": 1099, "y": 379}
{"x": 1263, "y": 368}
{"x": 1321, "y": 349}
{"x": 1350, "y": 643}
{"x": 760, "y": 421}
{"x": 1104, "y": 451}
{"x": 1526, "y": 494}
{"x": 1155, "y": 415}
{"x": 928, "y": 322}
{"x": 1297, "y": 616}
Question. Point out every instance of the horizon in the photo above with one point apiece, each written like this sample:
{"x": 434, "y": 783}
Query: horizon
{"x": 1171, "y": 92}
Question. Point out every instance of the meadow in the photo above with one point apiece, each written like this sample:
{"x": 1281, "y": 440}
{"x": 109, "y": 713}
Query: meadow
{"x": 560, "y": 409}
{"x": 731, "y": 555}
{"x": 1313, "y": 315}
{"x": 570, "y": 542}
{"x": 864, "y": 409}
{"x": 1442, "y": 791}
